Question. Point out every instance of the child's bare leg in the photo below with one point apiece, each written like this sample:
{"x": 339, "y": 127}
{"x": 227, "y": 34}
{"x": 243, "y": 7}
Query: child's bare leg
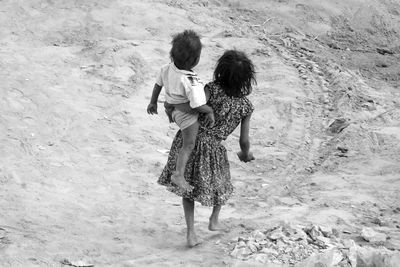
{"x": 189, "y": 140}
{"x": 168, "y": 111}
{"x": 188, "y": 208}
{"x": 214, "y": 223}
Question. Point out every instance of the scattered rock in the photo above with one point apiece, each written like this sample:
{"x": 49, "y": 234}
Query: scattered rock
{"x": 263, "y": 258}
{"x": 2, "y": 233}
{"x": 384, "y": 51}
{"x": 371, "y": 236}
{"x": 382, "y": 65}
{"x": 379, "y": 222}
{"x": 307, "y": 49}
{"x": 248, "y": 225}
{"x": 367, "y": 256}
{"x": 312, "y": 231}
{"x": 335, "y": 232}
{"x": 240, "y": 253}
{"x": 268, "y": 251}
{"x": 334, "y": 46}
{"x": 310, "y": 169}
{"x": 275, "y": 234}
{"x": 331, "y": 257}
{"x": 78, "y": 263}
{"x": 311, "y": 246}
{"x": 326, "y": 230}
{"x": 342, "y": 149}
{"x": 283, "y": 244}
{"x": 338, "y": 125}
{"x": 288, "y": 201}
{"x": 258, "y": 235}
{"x": 253, "y": 246}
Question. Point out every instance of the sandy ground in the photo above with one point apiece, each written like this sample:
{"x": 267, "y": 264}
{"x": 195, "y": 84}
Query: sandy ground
{"x": 79, "y": 156}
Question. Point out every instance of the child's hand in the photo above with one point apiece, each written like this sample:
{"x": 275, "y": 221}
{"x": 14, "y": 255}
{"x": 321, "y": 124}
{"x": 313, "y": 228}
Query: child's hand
{"x": 152, "y": 108}
{"x": 209, "y": 120}
{"x": 245, "y": 158}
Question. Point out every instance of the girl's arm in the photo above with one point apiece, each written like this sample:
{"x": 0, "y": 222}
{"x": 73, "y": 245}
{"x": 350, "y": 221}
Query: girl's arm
{"x": 205, "y": 108}
{"x": 185, "y": 107}
{"x": 152, "y": 107}
{"x": 245, "y": 155}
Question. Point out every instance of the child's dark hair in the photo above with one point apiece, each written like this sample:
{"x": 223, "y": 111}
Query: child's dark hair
{"x": 186, "y": 49}
{"x": 235, "y": 73}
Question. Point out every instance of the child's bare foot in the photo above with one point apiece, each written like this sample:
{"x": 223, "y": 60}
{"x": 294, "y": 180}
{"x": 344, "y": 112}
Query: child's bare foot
{"x": 192, "y": 240}
{"x": 180, "y": 181}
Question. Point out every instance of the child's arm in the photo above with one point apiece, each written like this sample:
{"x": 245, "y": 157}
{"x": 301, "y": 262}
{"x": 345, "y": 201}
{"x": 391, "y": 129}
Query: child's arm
{"x": 152, "y": 107}
{"x": 245, "y": 155}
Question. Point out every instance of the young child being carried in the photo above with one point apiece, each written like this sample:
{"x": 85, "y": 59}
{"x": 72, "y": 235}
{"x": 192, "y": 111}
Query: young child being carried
{"x": 183, "y": 86}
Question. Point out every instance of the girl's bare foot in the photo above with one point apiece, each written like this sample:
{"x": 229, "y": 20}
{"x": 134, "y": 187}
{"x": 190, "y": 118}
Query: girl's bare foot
{"x": 192, "y": 240}
{"x": 180, "y": 182}
{"x": 214, "y": 225}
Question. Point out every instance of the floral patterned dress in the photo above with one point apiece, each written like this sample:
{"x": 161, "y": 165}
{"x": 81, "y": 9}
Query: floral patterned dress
{"x": 207, "y": 169}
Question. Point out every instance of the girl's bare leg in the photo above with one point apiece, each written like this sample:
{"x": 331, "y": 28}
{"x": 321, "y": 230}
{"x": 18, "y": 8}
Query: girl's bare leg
{"x": 189, "y": 140}
{"x": 214, "y": 223}
{"x": 188, "y": 208}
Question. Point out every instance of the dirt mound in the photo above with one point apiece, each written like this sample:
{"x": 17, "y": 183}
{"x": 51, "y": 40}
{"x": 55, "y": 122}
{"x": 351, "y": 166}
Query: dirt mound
{"x": 80, "y": 156}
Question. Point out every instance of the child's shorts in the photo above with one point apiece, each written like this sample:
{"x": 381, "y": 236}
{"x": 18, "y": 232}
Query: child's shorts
{"x": 184, "y": 119}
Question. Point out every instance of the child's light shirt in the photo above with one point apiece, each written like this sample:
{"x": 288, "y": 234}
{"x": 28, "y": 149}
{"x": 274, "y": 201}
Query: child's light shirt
{"x": 181, "y": 86}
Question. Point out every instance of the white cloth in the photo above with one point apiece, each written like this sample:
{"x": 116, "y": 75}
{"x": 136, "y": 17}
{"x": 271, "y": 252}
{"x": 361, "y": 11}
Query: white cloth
{"x": 181, "y": 86}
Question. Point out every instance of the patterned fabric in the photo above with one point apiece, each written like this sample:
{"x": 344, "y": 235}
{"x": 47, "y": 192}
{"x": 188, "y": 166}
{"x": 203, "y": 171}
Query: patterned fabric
{"x": 207, "y": 169}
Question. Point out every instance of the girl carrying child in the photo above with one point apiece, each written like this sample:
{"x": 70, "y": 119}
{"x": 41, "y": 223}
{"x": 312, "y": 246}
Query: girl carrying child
{"x": 207, "y": 168}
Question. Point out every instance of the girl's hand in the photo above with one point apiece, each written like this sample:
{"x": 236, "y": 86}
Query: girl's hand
{"x": 152, "y": 108}
{"x": 210, "y": 120}
{"x": 245, "y": 158}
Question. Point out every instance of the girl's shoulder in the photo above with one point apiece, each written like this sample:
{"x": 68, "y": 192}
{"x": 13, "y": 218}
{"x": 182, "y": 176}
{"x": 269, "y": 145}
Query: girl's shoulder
{"x": 217, "y": 94}
{"x": 214, "y": 89}
{"x": 211, "y": 86}
{"x": 247, "y": 106}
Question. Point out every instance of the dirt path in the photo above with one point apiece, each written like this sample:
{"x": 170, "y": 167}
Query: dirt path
{"x": 80, "y": 157}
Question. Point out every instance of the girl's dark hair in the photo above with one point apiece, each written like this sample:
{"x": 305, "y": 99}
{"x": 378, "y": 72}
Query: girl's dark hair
{"x": 235, "y": 73}
{"x": 186, "y": 49}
